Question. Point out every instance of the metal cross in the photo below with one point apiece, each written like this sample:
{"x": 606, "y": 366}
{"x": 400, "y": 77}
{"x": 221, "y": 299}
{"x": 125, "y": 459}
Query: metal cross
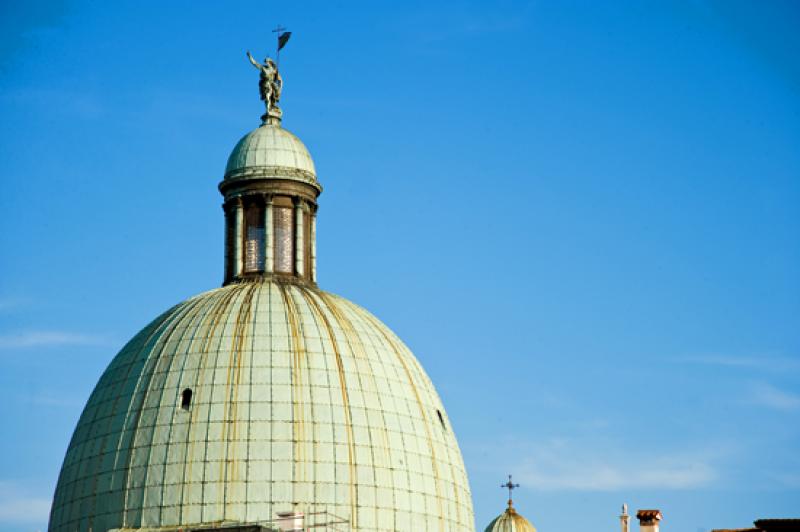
{"x": 510, "y": 486}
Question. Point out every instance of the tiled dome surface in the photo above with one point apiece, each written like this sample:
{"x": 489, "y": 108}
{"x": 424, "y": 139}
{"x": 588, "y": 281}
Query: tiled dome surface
{"x": 301, "y": 400}
{"x": 269, "y": 146}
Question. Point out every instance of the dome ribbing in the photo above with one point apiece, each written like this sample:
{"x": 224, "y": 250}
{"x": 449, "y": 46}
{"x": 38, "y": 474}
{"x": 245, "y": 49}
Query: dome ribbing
{"x": 300, "y": 401}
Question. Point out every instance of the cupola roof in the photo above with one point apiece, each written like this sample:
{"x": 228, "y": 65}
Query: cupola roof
{"x": 271, "y": 152}
{"x": 510, "y": 521}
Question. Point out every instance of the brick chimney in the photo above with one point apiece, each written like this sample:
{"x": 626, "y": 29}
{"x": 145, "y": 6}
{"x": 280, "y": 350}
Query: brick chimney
{"x": 648, "y": 520}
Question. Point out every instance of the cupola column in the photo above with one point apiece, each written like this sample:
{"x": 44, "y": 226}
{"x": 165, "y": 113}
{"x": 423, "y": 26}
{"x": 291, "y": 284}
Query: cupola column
{"x": 313, "y": 245}
{"x": 299, "y": 248}
{"x": 238, "y": 236}
{"x": 228, "y": 251}
{"x": 269, "y": 235}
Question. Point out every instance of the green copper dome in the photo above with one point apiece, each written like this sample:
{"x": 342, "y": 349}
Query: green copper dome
{"x": 258, "y": 398}
{"x": 270, "y": 152}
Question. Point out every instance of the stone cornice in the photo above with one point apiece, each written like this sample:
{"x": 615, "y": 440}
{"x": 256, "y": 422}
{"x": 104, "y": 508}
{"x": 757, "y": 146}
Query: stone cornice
{"x": 270, "y": 172}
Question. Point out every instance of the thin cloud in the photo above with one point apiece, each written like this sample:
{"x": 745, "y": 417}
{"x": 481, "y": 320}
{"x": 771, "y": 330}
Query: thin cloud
{"x": 765, "y": 394}
{"x": 17, "y": 507}
{"x": 567, "y": 465}
{"x": 767, "y": 363}
{"x": 28, "y": 339}
{"x": 600, "y": 474}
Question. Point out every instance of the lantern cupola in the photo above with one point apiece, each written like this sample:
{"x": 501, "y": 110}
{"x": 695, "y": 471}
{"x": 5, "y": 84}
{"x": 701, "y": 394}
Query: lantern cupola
{"x": 270, "y": 189}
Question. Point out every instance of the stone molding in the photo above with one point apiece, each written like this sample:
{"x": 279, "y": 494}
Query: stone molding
{"x": 271, "y": 172}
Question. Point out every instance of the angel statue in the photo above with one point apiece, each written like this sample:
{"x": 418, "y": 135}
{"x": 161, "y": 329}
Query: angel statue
{"x": 270, "y": 84}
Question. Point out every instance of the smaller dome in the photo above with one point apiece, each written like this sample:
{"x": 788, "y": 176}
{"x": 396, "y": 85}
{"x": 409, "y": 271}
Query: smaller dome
{"x": 510, "y": 521}
{"x": 269, "y": 151}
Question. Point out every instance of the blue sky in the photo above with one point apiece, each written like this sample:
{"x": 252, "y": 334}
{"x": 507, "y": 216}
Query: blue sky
{"x": 582, "y": 217}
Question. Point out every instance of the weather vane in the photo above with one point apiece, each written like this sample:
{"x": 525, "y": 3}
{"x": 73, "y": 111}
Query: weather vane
{"x": 283, "y": 38}
{"x": 510, "y": 486}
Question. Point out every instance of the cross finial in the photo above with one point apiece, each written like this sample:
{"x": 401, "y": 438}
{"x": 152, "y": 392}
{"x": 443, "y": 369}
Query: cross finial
{"x": 509, "y": 486}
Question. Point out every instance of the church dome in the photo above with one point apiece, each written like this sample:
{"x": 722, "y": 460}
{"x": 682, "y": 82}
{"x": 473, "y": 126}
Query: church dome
{"x": 263, "y": 397}
{"x": 271, "y": 152}
{"x": 266, "y": 399}
{"x": 510, "y": 521}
